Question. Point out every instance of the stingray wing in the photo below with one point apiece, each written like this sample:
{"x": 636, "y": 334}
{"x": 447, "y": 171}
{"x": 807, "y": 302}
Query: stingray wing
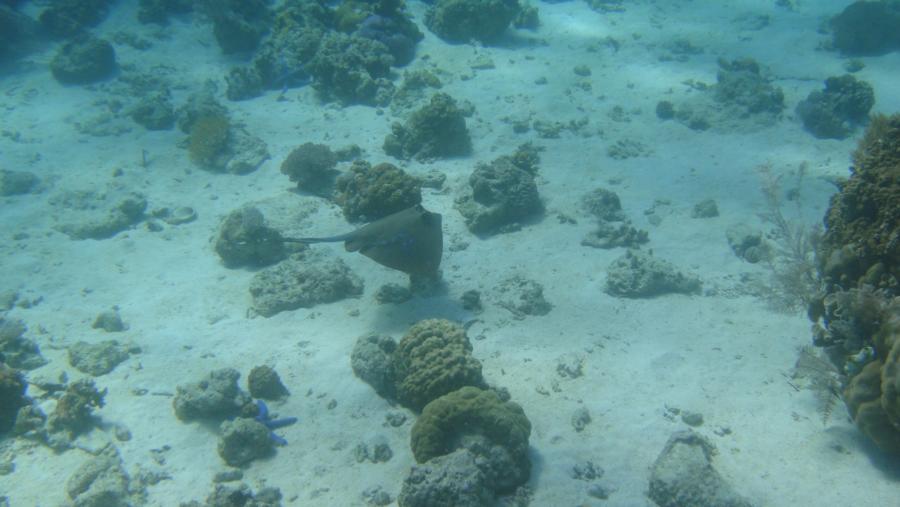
{"x": 410, "y": 241}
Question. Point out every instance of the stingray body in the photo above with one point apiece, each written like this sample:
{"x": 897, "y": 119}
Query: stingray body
{"x": 411, "y": 241}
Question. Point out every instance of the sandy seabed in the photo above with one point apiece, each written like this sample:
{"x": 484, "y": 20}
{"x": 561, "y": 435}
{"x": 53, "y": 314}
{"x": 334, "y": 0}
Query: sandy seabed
{"x": 725, "y": 355}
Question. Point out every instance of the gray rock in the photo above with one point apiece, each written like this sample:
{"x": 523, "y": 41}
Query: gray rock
{"x": 85, "y": 59}
{"x": 372, "y": 363}
{"x": 608, "y": 236}
{"x": 303, "y": 280}
{"x": 17, "y": 182}
{"x": 264, "y": 382}
{"x": 747, "y": 243}
{"x": 638, "y": 274}
{"x": 109, "y": 321}
{"x": 452, "y": 480}
{"x": 97, "y": 358}
{"x": 683, "y": 475}
{"x": 503, "y": 196}
{"x": 100, "y": 482}
{"x": 522, "y": 297}
{"x": 98, "y": 215}
{"x": 244, "y": 440}
{"x": 216, "y": 397}
{"x": 17, "y": 350}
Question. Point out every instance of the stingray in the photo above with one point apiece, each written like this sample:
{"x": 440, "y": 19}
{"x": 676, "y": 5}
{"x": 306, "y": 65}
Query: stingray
{"x": 411, "y": 241}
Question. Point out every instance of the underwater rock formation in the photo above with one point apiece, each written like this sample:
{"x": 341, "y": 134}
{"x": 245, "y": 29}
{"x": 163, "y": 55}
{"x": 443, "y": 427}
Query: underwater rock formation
{"x": 467, "y": 20}
{"x": 12, "y": 396}
{"x": 244, "y": 239}
{"x": 103, "y": 481}
{"x": 637, "y": 274}
{"x": 303, "y": 280}
{"x": 504, "y": 194}
{"x": 437, "y": 130}
{"x": 867, "y": 28}
{"x": 352, "y": 69}
{"x": 243, "y": 440}
{"x": 264, "y": 382}
{"x": 84, "y": 60}
{"x": 17, "y": 182}
{"x": 372, "y": 362}
{"x": 834, "y": 112}
{"x": 98, "y": 358}
{"x": 216, "y": 397}
{"x": 16, "y": 350}
{"x": 366, "y": 193}
{"x": 311, "y": 166}
{"x": 74, "y": 409}
{"x": 452, "y": 480}
{"x": 65, "y": 18}
{"x": 98, "y": 215}
{"x": 478, "y": 420}
{"x": 238, "y": 25}
{"x": 683, "y": 475}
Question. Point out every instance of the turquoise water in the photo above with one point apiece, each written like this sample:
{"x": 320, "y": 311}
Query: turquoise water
{"x": 618, "y": 195}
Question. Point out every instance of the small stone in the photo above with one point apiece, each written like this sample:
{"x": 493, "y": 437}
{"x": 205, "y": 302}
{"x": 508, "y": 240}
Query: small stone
{"x": 692, "y": 418}
{"x": 581, "y": 418}
{"x": 263, "y": 382}
{"x": 110, "y": 321}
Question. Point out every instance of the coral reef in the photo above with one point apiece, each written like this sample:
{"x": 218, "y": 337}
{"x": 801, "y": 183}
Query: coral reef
{"x": 522, "y": 297}
{"x": 242, "y": 440}
{"x": 433, "y": 359}
{"x": 638, "y": 274}
{"x": 478, "y": 420}
{"x": 857, "y": 320}
{"x": 244, "y": 239}
{"x": 303, "y": 280}
{"x": 99, "y": 215}
{"x": 98, "y": 358}
{"x": 17, "y": 182}
{"x": 467, "y": 20}
{"x": 74, "y": 409}
{"x": 238, "y": 25}
{"x": 84, "y": 60}
{"x": 683, "y": 475}
{"x": 452, "y": 480}
{"x": 867, "y": 28}
{"x": 208, "y": 138}
{"x": 372, "y": 362}
{"x": 16, "y": 350}
{"x": 264, "y": 382}
{"x": 65, "y": 18}
{"x": 12, "y": 396}
{"x": 352, "y": 69}
{"x": 504, "y": 194}
{"x": 102, "y": 480}
{"x": 437, "y": 130}
{"x": 367, "y": 193}
{"x": 311, "y": 166}
{"x": 834, "y": 112}
{"x": 216, "y": 397}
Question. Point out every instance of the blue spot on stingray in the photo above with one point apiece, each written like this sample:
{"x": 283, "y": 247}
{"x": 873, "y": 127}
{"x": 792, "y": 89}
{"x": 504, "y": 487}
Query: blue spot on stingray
{"x": 273, "y": 424}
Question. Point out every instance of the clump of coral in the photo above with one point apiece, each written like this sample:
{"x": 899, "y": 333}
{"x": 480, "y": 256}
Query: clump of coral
{"x": 208, "y": 138}
{"x": 468, "y": 20}
{"x": 834, "y": 112}
{"x": 437, "y": 130}
{"x": 503, "y": 194}
{"x": 366, "y": 192}
{"x": 432, "y": 359}
{"x": 311, "y": 166}
{"x": 857, "y": 320}
{"x": 494, "y": 430}
{"x": 12, "y": 396}
{"x": 74, "y": 409}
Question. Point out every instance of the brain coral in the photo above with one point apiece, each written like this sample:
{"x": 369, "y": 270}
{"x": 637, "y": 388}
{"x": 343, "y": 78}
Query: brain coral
{"x": 433, "y": 359}
{"x": 449, "y": 421}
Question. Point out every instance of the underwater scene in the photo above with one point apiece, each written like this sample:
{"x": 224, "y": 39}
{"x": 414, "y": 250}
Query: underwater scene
{"x": 449, "y": 253}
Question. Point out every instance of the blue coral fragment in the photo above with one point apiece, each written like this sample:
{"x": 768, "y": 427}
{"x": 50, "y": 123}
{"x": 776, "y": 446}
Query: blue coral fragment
{"x": 264, "y": 417}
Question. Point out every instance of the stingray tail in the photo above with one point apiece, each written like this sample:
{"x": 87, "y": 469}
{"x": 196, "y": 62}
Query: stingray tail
{"x": 307, "y": 241}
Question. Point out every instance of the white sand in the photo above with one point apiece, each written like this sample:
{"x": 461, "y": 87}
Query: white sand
{"x": 726, "y": 358}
